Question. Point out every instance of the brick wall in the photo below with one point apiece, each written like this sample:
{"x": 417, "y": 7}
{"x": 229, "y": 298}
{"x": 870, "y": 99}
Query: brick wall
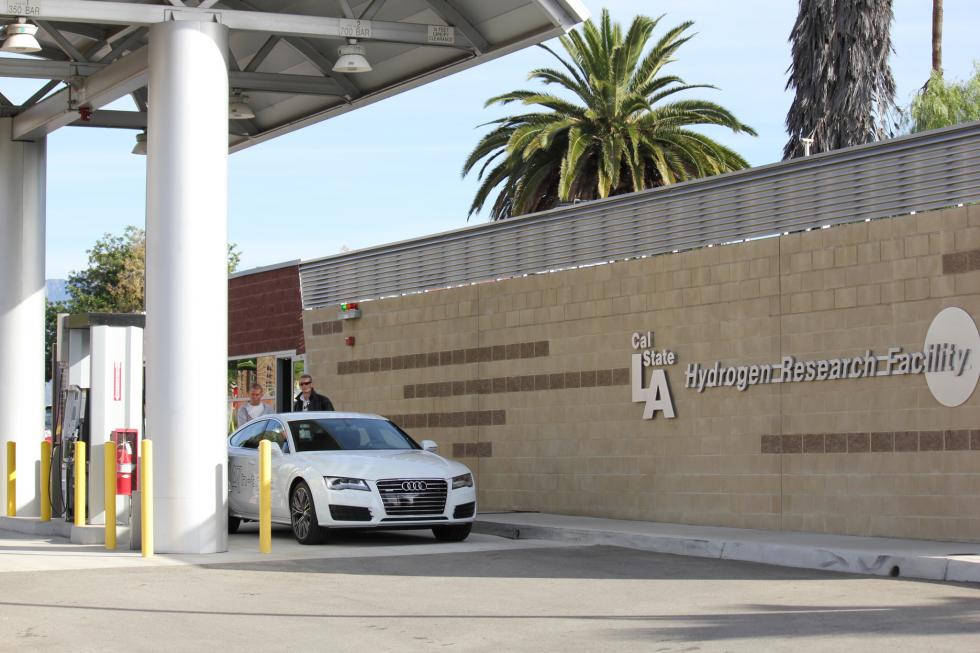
{"x": 265, "y": 312}
{"x": 527, "y": 381}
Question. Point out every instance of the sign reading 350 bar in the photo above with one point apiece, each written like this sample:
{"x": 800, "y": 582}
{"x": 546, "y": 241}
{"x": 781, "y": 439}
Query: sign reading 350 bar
{"x": 949, "y": 359}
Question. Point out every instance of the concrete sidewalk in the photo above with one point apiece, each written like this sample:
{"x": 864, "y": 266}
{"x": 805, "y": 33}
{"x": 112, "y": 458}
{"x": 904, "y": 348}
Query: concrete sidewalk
{"x": 878, "y": 556}
{"x": 29, "y": 545}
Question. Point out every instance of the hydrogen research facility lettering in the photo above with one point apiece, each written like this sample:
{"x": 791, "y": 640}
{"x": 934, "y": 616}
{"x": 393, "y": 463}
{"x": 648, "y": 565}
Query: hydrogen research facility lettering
{"x": 948, "y": 359}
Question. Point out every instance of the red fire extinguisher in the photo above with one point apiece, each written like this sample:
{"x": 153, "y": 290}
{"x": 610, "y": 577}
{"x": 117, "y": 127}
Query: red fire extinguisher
{"x": 124, "y": 468}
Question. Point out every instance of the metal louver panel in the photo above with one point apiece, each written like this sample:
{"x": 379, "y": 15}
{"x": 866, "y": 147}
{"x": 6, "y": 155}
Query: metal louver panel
{"x": 915, "y": 173}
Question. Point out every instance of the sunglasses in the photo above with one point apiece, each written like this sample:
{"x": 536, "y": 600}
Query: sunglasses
{"x": 306, "y": 382}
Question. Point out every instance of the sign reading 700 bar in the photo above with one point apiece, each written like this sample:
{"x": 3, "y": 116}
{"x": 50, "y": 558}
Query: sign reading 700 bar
{"x": 949, "y": 359}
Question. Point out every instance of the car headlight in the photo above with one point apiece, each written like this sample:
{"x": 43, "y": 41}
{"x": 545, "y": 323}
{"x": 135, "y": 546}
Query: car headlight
{"x": 463, "y": 480}
{"x": 340, "y": 483}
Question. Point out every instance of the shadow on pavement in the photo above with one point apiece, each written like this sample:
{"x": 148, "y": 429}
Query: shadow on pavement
{"x": 594, "y": 562}
{"x": 949, "y": 616}
{"x": 946, "y": 616}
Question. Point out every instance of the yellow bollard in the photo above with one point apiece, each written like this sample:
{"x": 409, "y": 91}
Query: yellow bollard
{"x": 146, "y": 497}
{"x": 265, "y": 496}
{"x": 79, "y": 483}
{"x": 45, "y": 481}
{"x": 11, "y": 479}
{"x": 109, "y": 474}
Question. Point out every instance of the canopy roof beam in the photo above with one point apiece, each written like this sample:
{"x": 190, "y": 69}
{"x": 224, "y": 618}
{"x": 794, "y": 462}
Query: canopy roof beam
{"x": 301, "y": 84}
{"x": 66, "y": 46}
{"x": 41, "y": 92}
{"x": 272, "y": 82}
{"x": 107, "y": 85}
{"x": 41, "y": 69}
{"x": 297, "y": 25}
{"x": 322, "y": 62}
{"x": 372, "y": 9}
{"x": 263, "y": 52}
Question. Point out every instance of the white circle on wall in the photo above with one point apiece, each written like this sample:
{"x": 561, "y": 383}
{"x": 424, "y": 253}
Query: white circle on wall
{"x": 954, "y": 326}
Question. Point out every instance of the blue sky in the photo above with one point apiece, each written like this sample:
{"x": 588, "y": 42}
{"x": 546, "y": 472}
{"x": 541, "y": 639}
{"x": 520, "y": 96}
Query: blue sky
{"x": 390, "y": 171}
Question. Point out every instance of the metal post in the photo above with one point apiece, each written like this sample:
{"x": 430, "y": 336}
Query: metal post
{"x": 45, "y": 481}
{"x": 187, "y": 281}
{"x": 22, "y": 197}
{"x": 11, "y": 479}
{"x": 79, "y": 483}
{"x": 109, "y": 474}
{"x": 146, "y": 498}
{"x": 265, "y": 497}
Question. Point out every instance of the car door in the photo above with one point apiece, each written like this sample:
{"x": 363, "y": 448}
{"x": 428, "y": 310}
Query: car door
{"x": 243, "y": 469}
{"x": 282, "y": 469}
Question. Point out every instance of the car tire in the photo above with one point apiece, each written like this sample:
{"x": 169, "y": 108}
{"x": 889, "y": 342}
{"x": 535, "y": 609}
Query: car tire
{"x": 456, "y": 533}
{"x": 233, "y": 524}
{"x": 302, "y": 516}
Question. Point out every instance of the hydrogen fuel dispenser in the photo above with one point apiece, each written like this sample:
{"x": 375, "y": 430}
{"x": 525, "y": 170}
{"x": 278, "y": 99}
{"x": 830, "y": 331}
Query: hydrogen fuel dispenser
{"x": 98, "y": 374}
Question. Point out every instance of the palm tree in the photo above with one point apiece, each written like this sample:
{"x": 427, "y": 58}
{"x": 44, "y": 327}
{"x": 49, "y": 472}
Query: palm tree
{"x": 937, "y": 36}
{"x": 613, "y": 134}
{"x": 844, "y": 86}
{"x": 810, "y": 73}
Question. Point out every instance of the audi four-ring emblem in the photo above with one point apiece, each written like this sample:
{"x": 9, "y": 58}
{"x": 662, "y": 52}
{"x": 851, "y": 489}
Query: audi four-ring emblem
{"x": 414, "y": 486}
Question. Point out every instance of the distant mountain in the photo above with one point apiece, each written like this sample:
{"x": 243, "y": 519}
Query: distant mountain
{"x": 57, "y": 290}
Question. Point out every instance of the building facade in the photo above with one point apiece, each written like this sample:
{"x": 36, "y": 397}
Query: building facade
{"x": 530, "y": 382}
{"x": 265, "y": 334}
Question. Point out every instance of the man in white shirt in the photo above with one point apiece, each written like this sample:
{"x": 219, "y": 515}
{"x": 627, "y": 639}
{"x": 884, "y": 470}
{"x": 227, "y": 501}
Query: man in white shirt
{"x": 254, "y": 407}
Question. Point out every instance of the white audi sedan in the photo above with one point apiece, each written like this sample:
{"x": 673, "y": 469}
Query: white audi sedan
{"x": 348, "y": 470}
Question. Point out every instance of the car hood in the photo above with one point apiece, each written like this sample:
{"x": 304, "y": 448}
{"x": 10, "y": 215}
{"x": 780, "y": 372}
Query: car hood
{"x": 374, "y": 465}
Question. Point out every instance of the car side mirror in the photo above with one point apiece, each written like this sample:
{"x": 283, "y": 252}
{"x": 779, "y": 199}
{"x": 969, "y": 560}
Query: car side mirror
{"x": 429, "y": 445}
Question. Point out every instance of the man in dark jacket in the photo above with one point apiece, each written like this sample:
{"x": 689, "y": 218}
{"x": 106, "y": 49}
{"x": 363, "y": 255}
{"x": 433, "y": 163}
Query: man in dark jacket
{"x": 308, "y": 399}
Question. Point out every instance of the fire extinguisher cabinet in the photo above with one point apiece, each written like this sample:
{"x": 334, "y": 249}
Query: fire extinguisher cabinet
{"x": 127, "y": 482}
{"x": 127, "y": 469}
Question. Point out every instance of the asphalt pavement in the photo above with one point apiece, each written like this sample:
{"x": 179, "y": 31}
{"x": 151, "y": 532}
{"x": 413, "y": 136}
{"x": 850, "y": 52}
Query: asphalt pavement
{"x": 404, "y": 591}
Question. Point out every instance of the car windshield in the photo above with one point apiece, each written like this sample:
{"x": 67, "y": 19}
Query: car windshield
{"x": 348, "y": 434}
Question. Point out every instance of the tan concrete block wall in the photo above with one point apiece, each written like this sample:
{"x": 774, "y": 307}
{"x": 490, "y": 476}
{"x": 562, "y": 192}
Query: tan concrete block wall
{"x": 527, "y": 381}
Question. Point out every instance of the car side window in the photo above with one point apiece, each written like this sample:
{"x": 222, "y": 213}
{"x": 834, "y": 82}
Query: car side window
{"x": 249, "y": 436}
{"x": 310, "y": 435}
{"x": 275, "y": 434}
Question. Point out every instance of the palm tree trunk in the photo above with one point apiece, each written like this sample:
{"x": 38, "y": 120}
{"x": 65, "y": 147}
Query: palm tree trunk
{"x": 937, "y": 36}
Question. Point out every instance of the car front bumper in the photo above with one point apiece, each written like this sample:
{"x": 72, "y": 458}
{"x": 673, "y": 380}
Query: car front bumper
{"x": 367, "y": 509}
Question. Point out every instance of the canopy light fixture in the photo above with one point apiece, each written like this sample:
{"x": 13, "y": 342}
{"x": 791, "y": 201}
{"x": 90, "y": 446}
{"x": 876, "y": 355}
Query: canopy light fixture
{"x": 238, "y": 108}
{"x": 140, "y": 147}
{"x": 20, "y": 37}
{"x": 352, "y": 59}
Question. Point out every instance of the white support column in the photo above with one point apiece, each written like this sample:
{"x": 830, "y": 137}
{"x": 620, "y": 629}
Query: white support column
{"x": 186, "y": 340}
{"x": 22, "y": 190}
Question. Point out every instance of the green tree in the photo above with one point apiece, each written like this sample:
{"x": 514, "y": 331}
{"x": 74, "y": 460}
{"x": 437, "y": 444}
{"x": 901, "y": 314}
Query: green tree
{"x": 234, "y": 257}
{"x": 51, "y": 310}
{"x": 844, "y": 85}
{"x": 941, "y": 103}
{"x": 616, "y": 134}
{"x": 113, "y": 282}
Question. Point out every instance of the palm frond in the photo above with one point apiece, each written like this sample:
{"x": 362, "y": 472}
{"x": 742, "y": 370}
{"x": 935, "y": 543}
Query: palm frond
{"x": 616, "y": 135}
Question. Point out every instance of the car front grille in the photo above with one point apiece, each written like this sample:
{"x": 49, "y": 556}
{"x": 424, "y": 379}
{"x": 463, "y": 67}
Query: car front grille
{"x": 413, "y": 496}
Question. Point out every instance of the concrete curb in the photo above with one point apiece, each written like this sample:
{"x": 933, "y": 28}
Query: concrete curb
{"x": 88, "y": 534}
{"x": 843, "y": 559}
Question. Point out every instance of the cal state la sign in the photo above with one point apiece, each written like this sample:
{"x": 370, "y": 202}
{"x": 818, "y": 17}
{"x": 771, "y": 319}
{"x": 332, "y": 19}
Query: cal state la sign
{"x": 655, "y": 395}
